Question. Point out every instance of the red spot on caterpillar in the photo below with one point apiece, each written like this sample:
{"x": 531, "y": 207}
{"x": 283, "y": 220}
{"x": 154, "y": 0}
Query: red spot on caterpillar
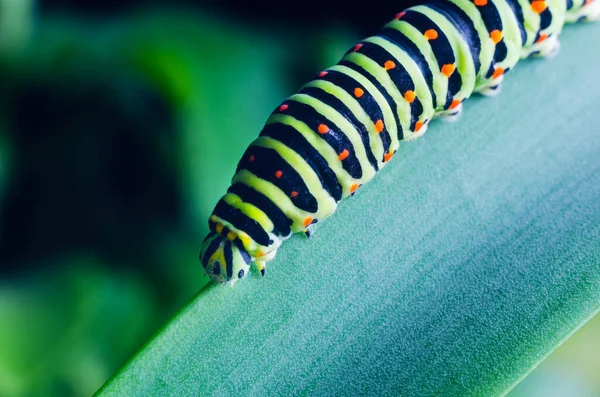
{"x": 542, "y": 37}
{"x": 358, "y": 92}
{"x": 431, "y": 34}
{"x": 283, "y": 107}
{"x": 418, "y": 126}
{"x": 323, "y": 129}
{"x": 278, "y": 174}
{"x": 497, "y": 73}
{"x": 538, "y": 6}
{"x": 387, "y": 157}
{"x": 455, "y": 103}
{"x": 379, "y": 126}
{"x": 496, "y": 36}
{"x": 251, "y": 158}
{"x": 345, "y": 153}
{"x": 400, "y": 14}
{"x": 294, "y": 193}
{"x": 323, "y": 73}
{"x": 357, "y": 47}
{"x": 448, "y": 69}
{"x": 353, "y": 188}
{"x": 410, "y": 96}
{"x": 480, "y": 3}
{"x": 307, "y": 221}
{"x": 388, "y": 65}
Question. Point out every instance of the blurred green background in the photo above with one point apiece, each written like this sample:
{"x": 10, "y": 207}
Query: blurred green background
{"x": 121, "y": 124}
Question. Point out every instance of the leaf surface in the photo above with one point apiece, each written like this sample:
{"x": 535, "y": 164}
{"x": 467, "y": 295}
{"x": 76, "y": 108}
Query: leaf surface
{"x": 462, "y": 265}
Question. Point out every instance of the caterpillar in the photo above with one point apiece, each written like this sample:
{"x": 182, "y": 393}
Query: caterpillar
{"x": 331, "y": 137}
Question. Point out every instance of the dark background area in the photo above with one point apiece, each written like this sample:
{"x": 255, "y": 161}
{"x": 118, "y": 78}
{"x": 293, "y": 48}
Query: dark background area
{"x": 365, "y": 16}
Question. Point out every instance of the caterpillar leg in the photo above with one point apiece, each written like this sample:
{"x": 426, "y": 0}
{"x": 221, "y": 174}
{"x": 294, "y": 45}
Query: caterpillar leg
{"x": 548, "y": 49}
{"x": 593, "y": 11}
{"x": 552, "y": 49}
{"x": 590, "y": 12}
{"x": 452, "y": 114}
{"x": 262, "y": 267}
{"x": 419, "y": 132}
{"x": 261, "y": 264}
{"x": 310, "y": 230}
{"x": 492, "y": 89}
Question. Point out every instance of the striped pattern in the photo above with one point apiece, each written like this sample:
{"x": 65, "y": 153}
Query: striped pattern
{"x": 324, "y": 142}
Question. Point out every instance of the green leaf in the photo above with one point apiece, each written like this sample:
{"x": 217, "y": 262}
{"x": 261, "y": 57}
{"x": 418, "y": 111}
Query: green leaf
{"x": 462, "y": 265}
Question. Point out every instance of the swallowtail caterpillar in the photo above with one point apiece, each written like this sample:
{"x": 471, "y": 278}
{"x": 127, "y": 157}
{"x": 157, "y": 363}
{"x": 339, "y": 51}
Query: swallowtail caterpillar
{"x": 329, "y": 139}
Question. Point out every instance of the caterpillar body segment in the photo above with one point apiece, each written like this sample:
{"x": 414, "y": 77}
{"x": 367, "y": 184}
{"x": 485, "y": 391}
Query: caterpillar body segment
{"x": 326, "y": 141}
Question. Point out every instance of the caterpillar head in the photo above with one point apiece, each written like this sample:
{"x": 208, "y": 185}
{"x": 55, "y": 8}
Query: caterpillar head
{"x": 224, "y": 260}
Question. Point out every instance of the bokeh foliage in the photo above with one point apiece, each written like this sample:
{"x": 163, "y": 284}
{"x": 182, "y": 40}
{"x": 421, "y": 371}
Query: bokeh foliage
{"x": 117, "y": 136}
